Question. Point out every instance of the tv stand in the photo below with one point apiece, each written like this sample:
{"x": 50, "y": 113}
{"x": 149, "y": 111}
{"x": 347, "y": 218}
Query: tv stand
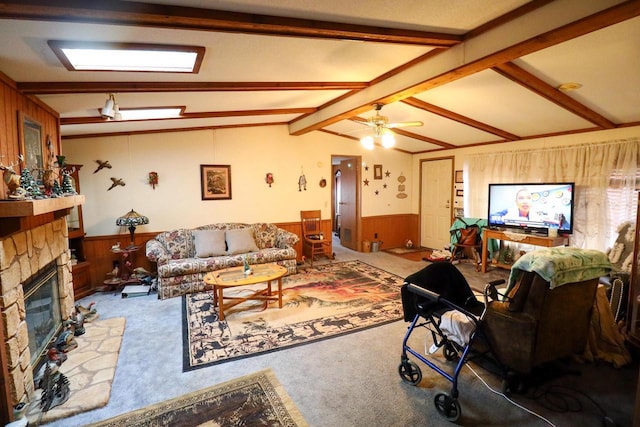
{"x": 529, "y": 239}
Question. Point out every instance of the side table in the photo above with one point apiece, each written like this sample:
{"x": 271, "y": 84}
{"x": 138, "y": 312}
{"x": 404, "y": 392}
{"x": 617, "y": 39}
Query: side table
{"x": 124, "y": 266}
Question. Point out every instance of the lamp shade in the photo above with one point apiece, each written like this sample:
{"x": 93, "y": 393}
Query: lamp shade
{"x": 132, "y": 219}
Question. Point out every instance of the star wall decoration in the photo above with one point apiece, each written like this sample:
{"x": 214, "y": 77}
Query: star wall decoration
{"x": 384, "y": 185}
{"x": 387, "y": 174}
{"x": 366, "y": 182}
{"x": 377, "y": 192}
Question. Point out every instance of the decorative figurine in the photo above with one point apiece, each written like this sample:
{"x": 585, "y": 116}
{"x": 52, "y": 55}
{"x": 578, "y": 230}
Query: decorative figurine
{"x": 153, "y": 179}
{"x": 302, "y": 183}
{"x": 269, "y": 178}
{"x": 55, "y": 359}
{"x": 12, "y": 180}
{"x": 66, "y": 342}
{"x": 246, "y": 268}
{"x": 67, "y": 183}
{"x": 28, "y": 182}
{"x": 90, "y": 313}
{"x": 55, "y": 389}
{"x": 115, "y": 182}
{"x": 102, "y": 165}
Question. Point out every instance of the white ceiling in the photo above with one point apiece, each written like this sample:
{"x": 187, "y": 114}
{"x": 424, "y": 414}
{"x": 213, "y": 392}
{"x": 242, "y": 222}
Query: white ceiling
{"x": 464, "y": 94}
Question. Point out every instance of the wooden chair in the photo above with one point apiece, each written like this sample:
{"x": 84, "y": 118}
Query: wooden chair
{"x": 314, "y": 242}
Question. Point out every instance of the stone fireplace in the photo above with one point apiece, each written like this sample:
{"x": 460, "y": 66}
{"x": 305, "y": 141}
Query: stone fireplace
{"x": 23, "y": 255}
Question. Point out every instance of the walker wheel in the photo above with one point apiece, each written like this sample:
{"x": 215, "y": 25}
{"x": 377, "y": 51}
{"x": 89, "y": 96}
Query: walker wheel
{"x": 448, "y": 407}
{"x": 450, "y": 352}
{"x": 410, "y": 372}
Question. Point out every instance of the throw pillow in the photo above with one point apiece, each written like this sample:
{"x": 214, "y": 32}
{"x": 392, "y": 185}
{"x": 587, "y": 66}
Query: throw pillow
{"x": 265, "y": 235}
{"x": 240, "y": 241}
{"x": 209, "y": 243}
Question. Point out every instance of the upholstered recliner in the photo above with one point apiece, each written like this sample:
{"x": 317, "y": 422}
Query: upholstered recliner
{"x": 547, "y": 312}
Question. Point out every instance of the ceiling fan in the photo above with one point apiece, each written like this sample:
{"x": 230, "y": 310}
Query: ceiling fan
{"x": 381, "y": 129}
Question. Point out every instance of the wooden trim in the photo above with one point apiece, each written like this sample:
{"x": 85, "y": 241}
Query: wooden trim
{"x": 48, "y": 88}
{"x": 191, "y": 18}
{"x": 201, "y": 115}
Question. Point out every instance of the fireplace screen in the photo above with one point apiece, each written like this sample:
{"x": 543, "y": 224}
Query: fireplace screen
{"x": 42, "y": 305}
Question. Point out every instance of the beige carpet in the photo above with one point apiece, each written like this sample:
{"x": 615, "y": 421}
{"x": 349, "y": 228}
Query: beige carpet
{"x": 252, "y": 400}
{"x": 90, "y": 369}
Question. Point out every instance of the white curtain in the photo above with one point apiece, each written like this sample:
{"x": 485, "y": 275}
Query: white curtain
{"x": 605, "y": 175}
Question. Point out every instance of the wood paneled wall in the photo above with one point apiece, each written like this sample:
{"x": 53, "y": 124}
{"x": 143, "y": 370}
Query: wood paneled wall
{"x": 392, "y": 230}
{"x": 12, "y": 103}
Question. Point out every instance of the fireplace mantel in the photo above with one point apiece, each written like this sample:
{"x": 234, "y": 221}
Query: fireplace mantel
{"x": 26, "y": 208}
{"x": 19, "y": 215}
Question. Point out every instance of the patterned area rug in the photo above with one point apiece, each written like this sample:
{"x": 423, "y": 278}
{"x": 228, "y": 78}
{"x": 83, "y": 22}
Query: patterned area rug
{"x": 256, "y": 399}
{"x": 323, "y": 302}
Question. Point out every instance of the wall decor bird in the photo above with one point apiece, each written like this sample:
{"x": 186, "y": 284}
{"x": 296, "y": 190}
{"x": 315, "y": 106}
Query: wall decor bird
{"x": 116, "y": 182}
{"x": 102, "y": 165}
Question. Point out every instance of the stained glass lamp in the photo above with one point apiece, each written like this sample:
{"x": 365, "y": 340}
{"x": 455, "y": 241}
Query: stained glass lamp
{"x": 132, "y": 219}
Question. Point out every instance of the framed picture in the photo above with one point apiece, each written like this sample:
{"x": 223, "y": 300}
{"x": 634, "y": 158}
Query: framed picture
{"x": 459, "y": 177}
{"x": 215, "y": 182}
{"x": 30, "y": 142}
{"x": 377, "y": 171}
{"x": 459, "y": 193}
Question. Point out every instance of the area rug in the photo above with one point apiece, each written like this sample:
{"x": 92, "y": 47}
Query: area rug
{"x": 256, "y": 399}
{"x": 323, "y": 302}
{"x": 90, "y": 369}
{"x": 412, "y": 254}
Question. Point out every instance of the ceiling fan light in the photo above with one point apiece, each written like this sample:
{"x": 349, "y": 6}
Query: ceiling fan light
{"x": 388, "y": 140}
{"x": 367, "y": 142}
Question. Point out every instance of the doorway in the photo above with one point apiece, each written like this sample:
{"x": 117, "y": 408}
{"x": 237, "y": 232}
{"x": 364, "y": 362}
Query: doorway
{"x": 345, "y": 200}
{"x": 436, "y": 195}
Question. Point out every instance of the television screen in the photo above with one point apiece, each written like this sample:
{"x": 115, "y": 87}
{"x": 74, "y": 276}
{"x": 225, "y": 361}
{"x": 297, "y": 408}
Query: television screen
{"x": 532, "y": 206}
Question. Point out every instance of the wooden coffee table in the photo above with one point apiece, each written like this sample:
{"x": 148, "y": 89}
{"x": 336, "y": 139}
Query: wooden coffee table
{"x": 234, "y": 276}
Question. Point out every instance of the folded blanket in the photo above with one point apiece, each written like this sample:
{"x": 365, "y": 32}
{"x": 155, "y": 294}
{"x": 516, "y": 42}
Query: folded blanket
{"x": 561, "y": 265}
{"x": 457, "y": 327}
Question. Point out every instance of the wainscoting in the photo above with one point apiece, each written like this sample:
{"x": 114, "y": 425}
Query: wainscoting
{"x": 393, "y": 231}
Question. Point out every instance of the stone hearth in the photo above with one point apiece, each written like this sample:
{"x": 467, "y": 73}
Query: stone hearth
{"x": 22, "y": 255}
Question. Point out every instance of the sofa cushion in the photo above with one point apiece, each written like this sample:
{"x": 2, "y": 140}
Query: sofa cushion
{"x": 240, "y": 241}
{"x": 265, "y": 235}
{"x": 209, "y": 243}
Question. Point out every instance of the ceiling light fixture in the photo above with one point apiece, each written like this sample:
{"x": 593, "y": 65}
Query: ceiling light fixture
{"x": 568, "y": 87}
{"x": 109, "y": 110}
{"x": 381, "y": 134}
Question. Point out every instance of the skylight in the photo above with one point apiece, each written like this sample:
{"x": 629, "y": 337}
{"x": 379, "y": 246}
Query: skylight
{"x": 151, "y": 113}
{"x": 88, "y": 56}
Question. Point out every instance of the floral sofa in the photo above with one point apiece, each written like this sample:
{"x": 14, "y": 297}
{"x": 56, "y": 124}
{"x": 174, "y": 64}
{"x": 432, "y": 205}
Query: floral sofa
{"x": 185, "y": 256}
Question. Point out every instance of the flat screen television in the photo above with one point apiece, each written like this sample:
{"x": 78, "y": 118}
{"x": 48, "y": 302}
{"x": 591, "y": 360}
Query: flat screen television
{"x": 532, "y": 207}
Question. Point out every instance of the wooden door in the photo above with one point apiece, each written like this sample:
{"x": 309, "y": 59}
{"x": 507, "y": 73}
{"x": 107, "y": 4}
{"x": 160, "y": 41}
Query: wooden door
{"x": 436, "y": 185}
{"x": 349, "y": 209}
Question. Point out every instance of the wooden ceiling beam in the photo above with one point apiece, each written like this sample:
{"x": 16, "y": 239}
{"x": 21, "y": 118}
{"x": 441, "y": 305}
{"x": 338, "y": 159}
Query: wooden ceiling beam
{"x": 48, "y": 88}
{"x": 545, "y": 90}
{"x": 517, "y": 40}
{"x": 447, "y": 114}
{"x": 199, "y": 115}
{"x": 198, "y": 19}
